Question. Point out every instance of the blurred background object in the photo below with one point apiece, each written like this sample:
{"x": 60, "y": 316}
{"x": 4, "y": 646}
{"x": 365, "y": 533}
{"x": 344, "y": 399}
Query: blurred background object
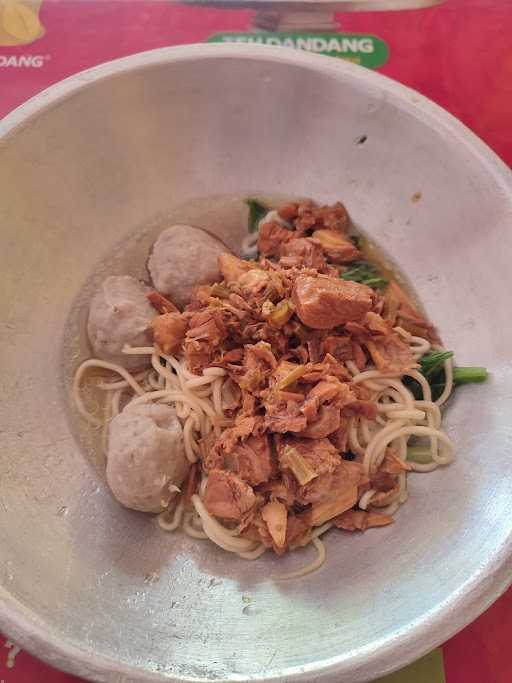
{"x": 309, "y": 15}
{"x": 19, "y": 22}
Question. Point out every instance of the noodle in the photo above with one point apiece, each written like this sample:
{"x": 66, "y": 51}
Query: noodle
{"x": 214, "y": 372}
{"x": 116, "y": 400}
{"x": 390, "y": 509}
{"x": 404, "y": 417}
{"x": 217, "y": 395}
{"x": 254, "y": 554}
{"x": 173, "y": 523}
{"x": 189, "y": 528}
{"x": 219, "y": 534}
{"x": 402, "y": 493}
{"x": 418, "y": 345}
{"x": 249, "y": 248}
{"x": 366, "y": 431}
{"x": 155, "y": 381}
{"x": 353, "y": 439}
{"x": 191, "y": 447}
{"x": 94, "y": 363}
{"x": 448, "y": 387}
{"x": 425, "y": 386}
{"x": 399, "y": 414}
{"x": 107, "y": 413}
{"x": 366, "y": 498}
{"x": 320, "y": 530}
{"x": 199, "y": 381}
{"x": 309, "y": 568}
{"x": 138, "y": 350}
{"x": 123, "y": 384}
{"x": 163, "y": 373}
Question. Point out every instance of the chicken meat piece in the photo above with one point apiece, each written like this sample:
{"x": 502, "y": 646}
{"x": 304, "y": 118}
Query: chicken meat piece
{"x": 359, "y": 520}
{"x": 120, "y": 314}
{"x": 161, "y": 304}
{"x": 302, "y": 251}
{"x": 335, "y": 478}
{"x": 336, "y": 247}
{"x": 309, "y": 216}
{"x": 325, "y": 302}
{"x": 307, "y": 459}
{"x": 258, "y": 364}
{"x": 334, "y": 217}
{"x": 244, "y": 450}
{"x": 327, "y": 421}
{"x": 232, "y": 268}
{"x": 298, "y": 532}
{"x": 376, "y": 324}
{"x": 272, "y": 235}
{"x": 391, "y": 354}
{"x": 227, "y": 496}
{"x": 203, "y": 338}
{"x": 275, "y": 516}
{"x": 251, "y": 460}
{"x": 339, "y": 438}
{"x": 184, "y": 257}
{"x": 322, "y": 407}
{"x": 400, "y": 309}
{"x": 146, "y": 457}
{"x": 338, "y": 347}
{"x": 169, "y": 331}
{"x": 333, "y": 493}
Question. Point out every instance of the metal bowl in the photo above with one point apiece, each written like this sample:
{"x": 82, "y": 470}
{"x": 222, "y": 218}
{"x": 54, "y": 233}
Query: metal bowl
{"x": 100, "y": 591}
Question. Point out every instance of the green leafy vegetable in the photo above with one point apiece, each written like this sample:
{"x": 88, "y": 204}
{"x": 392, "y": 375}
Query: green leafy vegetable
{"x": 419, "y": 454}
{"x": 432, "y": 368}
{"x": 366, "y": 274}
{"x": 356, "y": 240}
{"x": 469, "y": 375}
{"x": 432, "y": 362}
{"x": 257, "y": 211}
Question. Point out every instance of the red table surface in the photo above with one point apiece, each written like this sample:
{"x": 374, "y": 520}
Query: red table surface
{"x": 459, "y": 54}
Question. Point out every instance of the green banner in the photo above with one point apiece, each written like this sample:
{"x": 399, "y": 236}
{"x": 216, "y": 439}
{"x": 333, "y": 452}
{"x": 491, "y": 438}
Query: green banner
{"x": 428, "y": 669}
{"x": 359, "y": 48}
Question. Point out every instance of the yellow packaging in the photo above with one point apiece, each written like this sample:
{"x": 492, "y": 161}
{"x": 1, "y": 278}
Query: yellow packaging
{"x": 19, "y": 22}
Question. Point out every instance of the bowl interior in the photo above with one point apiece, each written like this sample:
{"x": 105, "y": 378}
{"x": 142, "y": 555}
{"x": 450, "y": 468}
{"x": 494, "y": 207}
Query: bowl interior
{"x": 100, "y": 590}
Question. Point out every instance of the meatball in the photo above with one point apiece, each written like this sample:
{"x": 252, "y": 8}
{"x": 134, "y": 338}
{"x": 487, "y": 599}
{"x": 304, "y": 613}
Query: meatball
{"x": 182, "y": 258}
{"x": 146, "y": 456}
{"x": 120, "y": 314}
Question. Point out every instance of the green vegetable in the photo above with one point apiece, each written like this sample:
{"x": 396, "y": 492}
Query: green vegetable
{"x": 419, "y": 454}
{"x": 356, "y": 240}
{"x": 469, "y": 375}
{"x": 432, "y": 368}
{"x": 366, "y": 274}
{"x": 432, "y": 362}
{"x": 257, "y": 211}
